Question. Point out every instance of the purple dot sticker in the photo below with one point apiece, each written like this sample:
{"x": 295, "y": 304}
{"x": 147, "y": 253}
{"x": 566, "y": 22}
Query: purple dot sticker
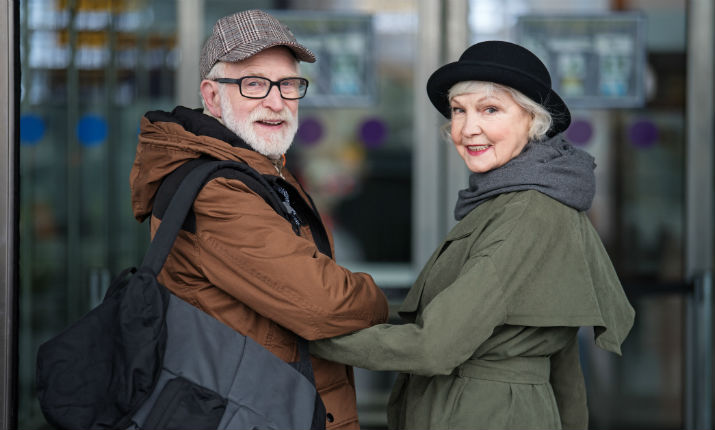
{"x": 310, "y": 131}
{"x": 643, "y": 134}
{"x": 580, "y": 132}
{"x": 372, "y": 132}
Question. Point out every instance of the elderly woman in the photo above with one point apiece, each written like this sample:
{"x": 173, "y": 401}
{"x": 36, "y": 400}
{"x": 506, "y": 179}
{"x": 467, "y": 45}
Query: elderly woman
{"x": 492, "y": 320}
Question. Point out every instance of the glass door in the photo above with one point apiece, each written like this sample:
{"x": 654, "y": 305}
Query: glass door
{"x": 92, "y": 68}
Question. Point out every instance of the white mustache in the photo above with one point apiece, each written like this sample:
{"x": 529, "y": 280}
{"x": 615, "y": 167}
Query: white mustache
{"x": 264, "y": 114}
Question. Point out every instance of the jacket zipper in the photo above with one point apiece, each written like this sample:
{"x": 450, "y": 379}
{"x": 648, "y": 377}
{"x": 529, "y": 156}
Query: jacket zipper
{"x": 279, "y": 163}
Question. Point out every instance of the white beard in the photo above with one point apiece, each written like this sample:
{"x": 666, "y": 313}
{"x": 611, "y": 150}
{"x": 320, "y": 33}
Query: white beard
{"x": 272, "y": 146}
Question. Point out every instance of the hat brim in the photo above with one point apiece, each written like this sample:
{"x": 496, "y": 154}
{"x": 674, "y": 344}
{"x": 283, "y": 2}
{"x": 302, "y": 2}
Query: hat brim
{"x": 445, "y": 77}
{"x": 250, "y": 49}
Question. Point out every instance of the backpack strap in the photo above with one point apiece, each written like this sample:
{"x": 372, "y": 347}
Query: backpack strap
{"x": 174, "y": 209}
{"x": 237, "y": 170}
{"x": 177, "y": 210}
{"x": 279, "y": 194}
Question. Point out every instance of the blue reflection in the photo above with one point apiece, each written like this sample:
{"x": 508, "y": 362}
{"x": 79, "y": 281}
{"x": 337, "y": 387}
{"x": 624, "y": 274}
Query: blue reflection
{"x": 91, "y": 130}
{"x": 32, "y": 129}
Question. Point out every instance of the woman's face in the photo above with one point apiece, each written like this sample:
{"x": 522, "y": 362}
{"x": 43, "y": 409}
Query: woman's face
{"x": 488, "y": 128}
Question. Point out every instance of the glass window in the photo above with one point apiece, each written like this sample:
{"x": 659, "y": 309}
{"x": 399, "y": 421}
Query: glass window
{"x": 91, "y": 69}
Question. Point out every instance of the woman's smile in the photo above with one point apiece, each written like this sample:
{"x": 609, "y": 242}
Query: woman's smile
{"x": 477, "y": 149}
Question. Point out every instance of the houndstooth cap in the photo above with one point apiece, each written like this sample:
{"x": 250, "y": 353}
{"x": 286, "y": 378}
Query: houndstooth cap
{"x": 243, "y": 34}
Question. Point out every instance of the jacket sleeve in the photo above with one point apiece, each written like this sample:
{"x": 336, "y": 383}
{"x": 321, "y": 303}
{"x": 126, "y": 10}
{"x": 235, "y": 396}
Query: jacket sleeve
{"x": 445, "y": 335}
{"x": 252, "y": 254}
{"x": 568, "y": 384}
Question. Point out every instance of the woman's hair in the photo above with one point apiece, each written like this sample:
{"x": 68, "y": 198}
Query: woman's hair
{"x": 540, "y": 118}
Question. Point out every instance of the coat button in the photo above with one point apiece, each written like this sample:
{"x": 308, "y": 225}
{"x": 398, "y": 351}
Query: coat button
{"x": 330, "y": 417}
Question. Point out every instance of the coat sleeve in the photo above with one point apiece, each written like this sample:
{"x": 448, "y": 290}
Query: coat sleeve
{"x": 252, "y": 254}
{"x": 445, "y": 335}
{"x": 449, "y": 329}
{"x": 568, "y": 384}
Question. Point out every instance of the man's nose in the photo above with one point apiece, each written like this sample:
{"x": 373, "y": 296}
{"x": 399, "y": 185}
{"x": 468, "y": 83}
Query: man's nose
{"x": 273, "y": 100}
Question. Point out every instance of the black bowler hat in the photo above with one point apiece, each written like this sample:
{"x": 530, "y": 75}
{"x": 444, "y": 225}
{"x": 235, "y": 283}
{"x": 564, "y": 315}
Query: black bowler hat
{"x": 502, "y": 63}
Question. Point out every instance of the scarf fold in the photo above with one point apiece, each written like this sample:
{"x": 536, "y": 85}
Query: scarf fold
{"x": 553, "y": 167}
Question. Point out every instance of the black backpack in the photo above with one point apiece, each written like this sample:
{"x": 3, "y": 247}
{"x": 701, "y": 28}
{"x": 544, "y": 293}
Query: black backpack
{"x": 144, "y": 358}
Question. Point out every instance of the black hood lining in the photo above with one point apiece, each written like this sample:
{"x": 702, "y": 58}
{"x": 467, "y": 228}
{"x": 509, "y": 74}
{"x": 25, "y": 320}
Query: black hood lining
{"x": 196, "y": 122}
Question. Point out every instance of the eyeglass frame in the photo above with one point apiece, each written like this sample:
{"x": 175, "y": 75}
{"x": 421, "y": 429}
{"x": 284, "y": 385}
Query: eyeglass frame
{"x": 238, "y": 81}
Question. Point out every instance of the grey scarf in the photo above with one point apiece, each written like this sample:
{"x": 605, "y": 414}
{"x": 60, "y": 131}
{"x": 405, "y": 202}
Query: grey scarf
{"x": 553, "y": 167}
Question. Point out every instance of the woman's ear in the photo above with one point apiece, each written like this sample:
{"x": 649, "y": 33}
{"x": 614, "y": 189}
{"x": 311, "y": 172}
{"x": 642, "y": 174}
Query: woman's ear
{"x": 211, "y": 96}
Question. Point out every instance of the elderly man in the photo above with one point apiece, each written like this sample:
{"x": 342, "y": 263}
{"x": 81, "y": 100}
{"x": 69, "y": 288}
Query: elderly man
{"x": 239, "y": 260}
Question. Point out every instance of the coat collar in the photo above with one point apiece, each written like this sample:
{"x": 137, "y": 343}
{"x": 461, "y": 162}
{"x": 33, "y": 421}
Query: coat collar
{"x": 412, "y": 300}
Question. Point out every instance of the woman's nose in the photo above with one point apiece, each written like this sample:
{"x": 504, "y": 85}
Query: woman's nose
{"x": 472, "y": 126}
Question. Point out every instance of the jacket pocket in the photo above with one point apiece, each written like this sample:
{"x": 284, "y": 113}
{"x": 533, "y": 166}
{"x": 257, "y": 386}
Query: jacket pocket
{"x": 184, "y": 405}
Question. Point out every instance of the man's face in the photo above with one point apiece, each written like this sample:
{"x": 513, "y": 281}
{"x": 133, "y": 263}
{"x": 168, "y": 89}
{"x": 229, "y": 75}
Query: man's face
{"x": 267, "y": 124}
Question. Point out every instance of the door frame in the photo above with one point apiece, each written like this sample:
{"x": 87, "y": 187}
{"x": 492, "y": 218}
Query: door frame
{"x": 699, "y": 214}
{"x": 9, "y": 124}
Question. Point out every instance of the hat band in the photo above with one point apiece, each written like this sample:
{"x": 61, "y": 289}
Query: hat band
{"x": 519, "y": 71}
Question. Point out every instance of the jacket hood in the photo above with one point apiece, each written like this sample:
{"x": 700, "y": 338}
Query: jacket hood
{"x": 169, "y": 139}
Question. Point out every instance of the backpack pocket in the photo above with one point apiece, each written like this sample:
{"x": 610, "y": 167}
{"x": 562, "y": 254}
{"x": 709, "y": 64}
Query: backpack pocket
{"x": 184, "y": 405}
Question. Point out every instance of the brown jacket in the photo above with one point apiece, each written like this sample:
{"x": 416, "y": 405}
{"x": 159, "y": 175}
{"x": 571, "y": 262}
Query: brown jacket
{"x": 244, "y": 265}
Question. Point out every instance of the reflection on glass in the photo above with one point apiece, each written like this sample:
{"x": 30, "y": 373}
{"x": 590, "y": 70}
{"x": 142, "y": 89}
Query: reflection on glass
{"x": 86, "y": 80}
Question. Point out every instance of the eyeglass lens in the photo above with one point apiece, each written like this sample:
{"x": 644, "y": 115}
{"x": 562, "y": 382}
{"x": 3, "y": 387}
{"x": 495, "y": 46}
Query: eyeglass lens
{"x": 290, "y": 88}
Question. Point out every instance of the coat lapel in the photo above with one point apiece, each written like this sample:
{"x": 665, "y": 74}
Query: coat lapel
{"x": 412, "y": 300}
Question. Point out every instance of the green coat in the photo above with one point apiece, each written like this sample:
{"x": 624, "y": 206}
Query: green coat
{"x": 492, "y": 322}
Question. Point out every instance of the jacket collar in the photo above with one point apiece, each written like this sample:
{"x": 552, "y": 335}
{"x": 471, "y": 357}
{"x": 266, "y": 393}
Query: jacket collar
{"x": 200, "y": 124}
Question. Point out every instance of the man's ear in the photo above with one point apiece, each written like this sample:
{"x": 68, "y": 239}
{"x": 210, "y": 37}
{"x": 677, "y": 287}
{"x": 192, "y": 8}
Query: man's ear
{"x": 212, "y": 99}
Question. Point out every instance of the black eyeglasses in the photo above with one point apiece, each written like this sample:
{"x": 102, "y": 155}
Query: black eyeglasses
{"x": 256, "y": 87}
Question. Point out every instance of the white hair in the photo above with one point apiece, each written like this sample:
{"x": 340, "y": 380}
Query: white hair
{"x": 217, "y": 71}
{"x": 273, "y": 145}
